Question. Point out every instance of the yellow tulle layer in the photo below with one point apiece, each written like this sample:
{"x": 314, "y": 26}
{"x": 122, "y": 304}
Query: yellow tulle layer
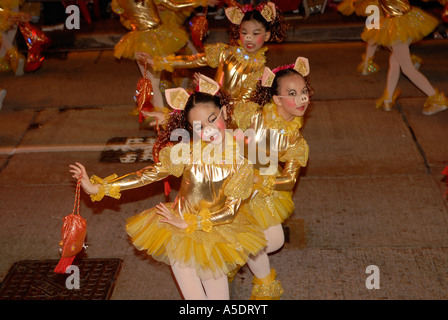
{"x": 161, "y": 41}
{"x": 413, "y": 26}
{"x": 270, "y": 210}
{"x": 212, "y": 254}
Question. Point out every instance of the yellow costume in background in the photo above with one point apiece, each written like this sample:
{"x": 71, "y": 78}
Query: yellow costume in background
{"x": 149, "y": 32}
{"x": 10, "y": 59}
{"x": 218, "y": 238}
{"x": 273, "y": 203}
{"x": 400, "y": 22}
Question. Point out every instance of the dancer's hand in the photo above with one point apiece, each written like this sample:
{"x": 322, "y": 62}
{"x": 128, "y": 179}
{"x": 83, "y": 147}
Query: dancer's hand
{"x": 79, "y": 171}
{"x": 158, "y": 115}
{"x": 170, "y": 217}
{"x": 196, "y": 76}
{"x": 145, "y": 57}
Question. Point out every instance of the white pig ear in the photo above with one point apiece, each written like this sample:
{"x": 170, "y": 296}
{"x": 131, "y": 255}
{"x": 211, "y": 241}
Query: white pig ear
{"x": 302, "y": 66}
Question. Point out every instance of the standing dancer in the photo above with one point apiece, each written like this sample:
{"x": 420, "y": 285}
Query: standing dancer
{"x": 359, "y": 7}
{"x": 400, "y": 25}
{"x": 275, "y": 131}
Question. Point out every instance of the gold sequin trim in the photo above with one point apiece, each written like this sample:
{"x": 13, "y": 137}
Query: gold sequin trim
{"x": 299, "y": 151}
{"x": 105, "y": 189}
{"x": 165, "y": 159}
{"x": 241, "y": 184}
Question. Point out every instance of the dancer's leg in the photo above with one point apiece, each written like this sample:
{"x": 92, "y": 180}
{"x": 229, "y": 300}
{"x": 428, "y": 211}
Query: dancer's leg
{"x": 275, "y": 237}
{"x": 259, "y": 265}
{"x": 217, "y": 289}
{"x": 189, "y": 283}
{"x": 367, "y": 66}
{"x": 403, "y": 56}
{"x": 393, "y": 74}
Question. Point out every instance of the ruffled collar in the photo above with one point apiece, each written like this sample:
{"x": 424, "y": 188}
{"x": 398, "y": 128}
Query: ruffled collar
{"x": 253, "y": 57}
{"x": 275, "y": 121}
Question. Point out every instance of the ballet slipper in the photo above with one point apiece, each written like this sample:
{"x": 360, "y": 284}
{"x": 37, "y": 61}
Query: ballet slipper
{"x": 435, "y": 103}
{"x": 367, "y": 67}
{"x": 267, "y": 288}
{"x": 384, "y": 103}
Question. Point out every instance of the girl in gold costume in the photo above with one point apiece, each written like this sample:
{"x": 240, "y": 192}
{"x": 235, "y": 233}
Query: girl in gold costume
{"x": 201, "y": 235}
{"x": 151, "y": 34}
{"x": 400, "y": 25}
{"x": 274, "y": 128}
{"x": 241, "y": 64}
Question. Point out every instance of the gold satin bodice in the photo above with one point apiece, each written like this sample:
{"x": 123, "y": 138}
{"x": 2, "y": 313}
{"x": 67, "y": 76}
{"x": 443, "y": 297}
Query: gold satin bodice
{"x": 276, "y": 138}
{"x": 237, "y": 70}
{"x": 220, "y": 188}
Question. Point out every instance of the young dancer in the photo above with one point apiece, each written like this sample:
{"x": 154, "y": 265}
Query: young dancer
{"x": 201, "y": 235}
{"x": 278, "y": 122}
{"x": 400, "y": 25}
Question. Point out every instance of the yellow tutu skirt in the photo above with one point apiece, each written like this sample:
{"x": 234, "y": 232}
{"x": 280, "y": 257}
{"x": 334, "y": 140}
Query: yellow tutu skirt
{"x": 270, "y": 210}
{"x": 414, "y": 26}
{"x": 212, "y": 254}
{"x": 164, "y": 40}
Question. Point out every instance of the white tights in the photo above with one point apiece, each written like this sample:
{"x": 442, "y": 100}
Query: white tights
{"x": 400, "y": 58}
{"x": 259, "y": 264}
{"x": 193, "y": 288}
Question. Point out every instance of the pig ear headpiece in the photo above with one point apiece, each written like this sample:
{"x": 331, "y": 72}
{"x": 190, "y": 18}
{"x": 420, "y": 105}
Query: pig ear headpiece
{"x": 177, "y": 97}
{"x": 236, "y": 14}
{"x": 301, "y": 65}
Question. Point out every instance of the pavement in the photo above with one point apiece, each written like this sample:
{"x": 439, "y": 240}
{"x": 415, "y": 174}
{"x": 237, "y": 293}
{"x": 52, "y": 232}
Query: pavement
{"x": 372, "y": 193}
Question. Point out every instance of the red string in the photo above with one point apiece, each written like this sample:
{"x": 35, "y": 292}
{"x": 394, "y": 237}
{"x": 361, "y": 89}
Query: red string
{"x": 77, "y": 196}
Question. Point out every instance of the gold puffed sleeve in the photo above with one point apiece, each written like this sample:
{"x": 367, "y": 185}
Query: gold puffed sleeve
{"x": 113, "y": 185}
{"x": 295, "y": 158}
{"x": 243, "y": 112}
{"x": 210, "y": 57}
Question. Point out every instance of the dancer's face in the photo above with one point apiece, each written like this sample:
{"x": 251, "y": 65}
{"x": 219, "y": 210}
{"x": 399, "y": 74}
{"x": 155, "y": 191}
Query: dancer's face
{"x": 293, "y": 98}
{"x": 253, "y": 35}
{"x": 208, "y": 121}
